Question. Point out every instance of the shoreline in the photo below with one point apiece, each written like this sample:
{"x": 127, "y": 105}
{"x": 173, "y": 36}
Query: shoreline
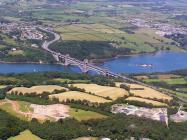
{"x": 101, "y": 61}
{"x": 93, "y": 61}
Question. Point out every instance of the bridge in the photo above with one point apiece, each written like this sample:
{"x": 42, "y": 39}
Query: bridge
{"x": 85, "y": 66}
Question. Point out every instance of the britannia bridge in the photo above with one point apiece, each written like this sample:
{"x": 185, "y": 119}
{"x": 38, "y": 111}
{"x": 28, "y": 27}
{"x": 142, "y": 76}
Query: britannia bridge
{"x": 85, "y": 66}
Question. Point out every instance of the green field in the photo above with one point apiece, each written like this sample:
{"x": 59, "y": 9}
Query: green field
{"x": 139, "y": 41}
{"x": 81, "y": 115}
{"x": 9, "y": 109}
{"x": 25, "y": 106}
{"x": 173, "y": 81}
{"x": 70, "y": 81}
{"x": 25, "y": 135}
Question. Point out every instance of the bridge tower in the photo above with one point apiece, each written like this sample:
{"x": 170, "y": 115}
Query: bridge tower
{"x": 66, "y": 61}
{"x": 84, "y": 68}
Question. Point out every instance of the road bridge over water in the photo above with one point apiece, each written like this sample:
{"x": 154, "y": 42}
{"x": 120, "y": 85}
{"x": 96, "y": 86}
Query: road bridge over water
{"x": 85, "y": 66}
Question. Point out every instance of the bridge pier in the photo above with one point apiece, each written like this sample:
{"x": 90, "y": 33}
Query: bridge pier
{"x": 84, "y": 68}
{"x": 66, "y": 60}
{"x": 56, "y": 58}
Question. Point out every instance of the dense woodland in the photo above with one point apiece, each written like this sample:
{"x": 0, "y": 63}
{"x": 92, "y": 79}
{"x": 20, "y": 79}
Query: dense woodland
{"x": 180, "y": 38}
{"x": 118, "y": 126}
{"x": 42, "y": 78}
{"x": 88, "y": 49}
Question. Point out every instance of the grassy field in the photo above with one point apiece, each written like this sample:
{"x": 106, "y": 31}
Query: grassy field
{"x": 104, "y": 91}
{"x": 9, "y": 109}
{"x": 17, "y": 52}
{"x": 145, "y": 92}
{"x": 75, "y": 95}
{"x": 155, "y": 103}
{"x": 25, "y": 106}
{"x": 182, "y": 89}
{"x": 138, "y": 41}
{"x": 37, "y": 89}
{"x": 80, "y": 115}
{"x": 12, "y": 79}
{"x": 2, "y": 46}
{"x": 172, "y": 81}
{"x": 25, "y": 135}
{"x": 70, "y": 81}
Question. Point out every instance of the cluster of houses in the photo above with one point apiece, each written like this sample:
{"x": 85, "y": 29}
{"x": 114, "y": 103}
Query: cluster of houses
{"x": 26, "y": 30}
{"x": 162, "y": 28}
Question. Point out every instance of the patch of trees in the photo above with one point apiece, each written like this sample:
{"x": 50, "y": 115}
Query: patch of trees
{"x": 30, "y": 55}
{"x": 44, "y": 78}
{"x": 10, "y": 126}
{"x": 3, "y": 92}
{"x": 43, "y": 100}
{"x": 88, "y": 49}
{"x": 180, "y": 38}
{"x": 121, "y": 127}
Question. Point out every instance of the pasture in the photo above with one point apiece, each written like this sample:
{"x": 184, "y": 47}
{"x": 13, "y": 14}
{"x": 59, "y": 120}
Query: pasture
{"x": 172, "y": 81}
{"x": 13, "y": 109}
{"x": 138, "y": 41}
{"x": 155, "y": 103}
{"x": 75, "y": 95}
{"x": 37, "y": 89}
{"x": 81, "y": 115}
{"x": 103, "y": 91}
{"x": 25, "y": 135}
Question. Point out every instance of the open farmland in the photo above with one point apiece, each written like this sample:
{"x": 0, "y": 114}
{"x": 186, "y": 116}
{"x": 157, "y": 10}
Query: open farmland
{"x": 25, "y": 135}
{"x": 37, "y": 89}
{"x": 155, "y": 103}
{"x": 146, "y": 92}
{"x": 75, "y": 95}
{"x": 103, "y": 91}
{"x": 138, "y": 41}
{"x": 173, "y": 82}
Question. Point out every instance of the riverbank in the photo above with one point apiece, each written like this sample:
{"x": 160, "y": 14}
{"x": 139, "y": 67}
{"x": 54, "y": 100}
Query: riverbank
{"x": 98, "y": 61}
{"x": 161, "y": 62}
{"x": 101, "y": 61}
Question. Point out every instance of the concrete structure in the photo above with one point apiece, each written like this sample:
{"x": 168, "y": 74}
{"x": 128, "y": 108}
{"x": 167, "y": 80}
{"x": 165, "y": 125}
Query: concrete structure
{"x": 180, "y": 116}
{"x": 159, "y": 114}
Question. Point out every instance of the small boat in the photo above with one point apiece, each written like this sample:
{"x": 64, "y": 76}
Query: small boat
{"x": 145, "y": 65}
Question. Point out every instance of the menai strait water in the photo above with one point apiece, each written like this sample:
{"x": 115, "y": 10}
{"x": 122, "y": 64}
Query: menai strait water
{"x": 160, "y": 61}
